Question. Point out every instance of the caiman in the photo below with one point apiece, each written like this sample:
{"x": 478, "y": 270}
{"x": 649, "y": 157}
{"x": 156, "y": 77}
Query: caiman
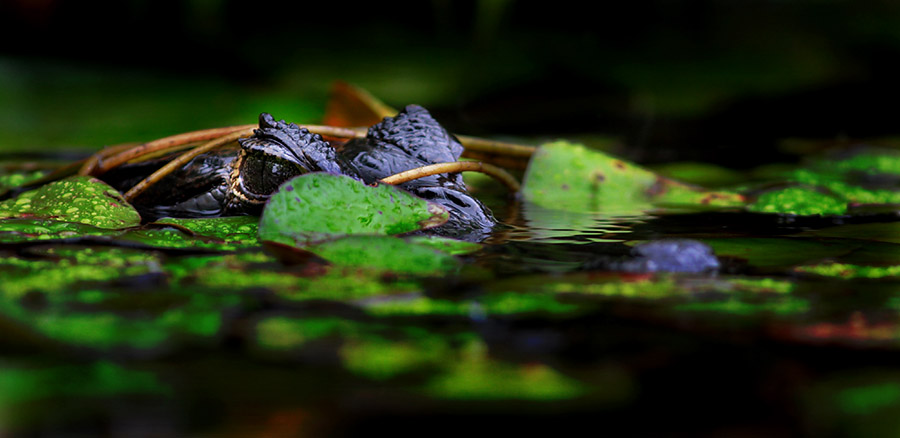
{"x": 238, "y": 178}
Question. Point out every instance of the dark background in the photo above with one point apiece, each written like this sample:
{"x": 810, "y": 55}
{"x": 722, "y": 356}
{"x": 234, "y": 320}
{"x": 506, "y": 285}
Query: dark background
{"x": 718, "y": 81}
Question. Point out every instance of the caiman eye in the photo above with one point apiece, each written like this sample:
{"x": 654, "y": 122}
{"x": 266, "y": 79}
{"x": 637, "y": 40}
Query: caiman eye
{"x": 261, "y": 175}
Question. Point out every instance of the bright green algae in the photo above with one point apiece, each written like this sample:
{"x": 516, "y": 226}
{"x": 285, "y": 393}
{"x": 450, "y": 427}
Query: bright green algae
{"x": 871, "y": 160}
{"x": 846, "y": 270}
{"x": 840, "y": 185}
{"x": 801, "y": 201}
{"x": 85, "y": 266}
{"x": 41, "y": 296}
{"x": 457, "y": 361}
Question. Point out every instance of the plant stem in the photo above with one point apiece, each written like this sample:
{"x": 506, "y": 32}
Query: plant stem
{"x": 496, "y": 147}
{"x": 454, "y": 167}
{"x": 104, "y": 165}
{"x": 90, "y": 164}
{"x": 183, "y": 159}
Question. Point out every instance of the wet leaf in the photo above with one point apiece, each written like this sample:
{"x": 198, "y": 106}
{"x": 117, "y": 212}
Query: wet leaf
{"x": 445, "y": 244}
{"x": 25, "y": 230}
{"x": 77, "y": 199}
{"x": 229, "y": 229}
{"x": 566, "y": 176}
{"x": 318, "y": 206}
{"x": 385, "y": 253}
{"x": 15, "y": 179}
{"x": 225, "y": 233}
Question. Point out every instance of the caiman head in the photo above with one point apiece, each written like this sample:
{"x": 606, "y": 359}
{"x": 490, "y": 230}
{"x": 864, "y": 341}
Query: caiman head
{"x": 277, "y": 152}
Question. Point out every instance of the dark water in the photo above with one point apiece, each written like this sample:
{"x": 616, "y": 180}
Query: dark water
{"x": 700, "y": 358}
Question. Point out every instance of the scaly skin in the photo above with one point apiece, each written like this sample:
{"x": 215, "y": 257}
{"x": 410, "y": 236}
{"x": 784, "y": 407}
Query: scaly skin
{"x": 238, "y": 180}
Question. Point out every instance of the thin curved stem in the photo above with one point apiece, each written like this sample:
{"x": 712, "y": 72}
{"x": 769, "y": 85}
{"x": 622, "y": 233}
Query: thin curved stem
{"x": 174, "y": 142}
{"x": 454, "y": 167}
{"x": 117, "y": 160}
{"x": 496, "y": 147}
{"x": 181, "y": 160}
{"x": 90, "y": 164}
{"x": 503, "y": 161}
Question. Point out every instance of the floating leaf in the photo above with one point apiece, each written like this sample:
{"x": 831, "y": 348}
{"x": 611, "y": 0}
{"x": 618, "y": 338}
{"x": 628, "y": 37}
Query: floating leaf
{"x": 319, "y": 206}
{"x": 571, "y": 177}
{"x": 18, "y": 178}
{"x": 445, "y": 244}
{"x": 220, "y": 232}
{"x": 77, "y": 199}
{"x": 385, "y": 253}
{"x": 229, "y": 229}
{"x": 24, "y": 230}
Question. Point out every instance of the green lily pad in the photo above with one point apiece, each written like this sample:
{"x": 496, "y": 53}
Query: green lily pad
{"x": 23, "y": 230}
{"x": 224, "y": 233}
{"x": 445, "y": 244}
{"x": 78, "y": 199}
{"x": 15, "y": 179}
{"x": 318, "y": 206}
{"x": 566, "y": 176}
{"x": 500, "y": 303}
{"x": 385, "y": 253}
{"x": 241, "y": 229}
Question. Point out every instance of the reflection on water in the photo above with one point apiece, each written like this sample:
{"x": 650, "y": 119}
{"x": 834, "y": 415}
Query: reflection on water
{"x": 541, "y": 224}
